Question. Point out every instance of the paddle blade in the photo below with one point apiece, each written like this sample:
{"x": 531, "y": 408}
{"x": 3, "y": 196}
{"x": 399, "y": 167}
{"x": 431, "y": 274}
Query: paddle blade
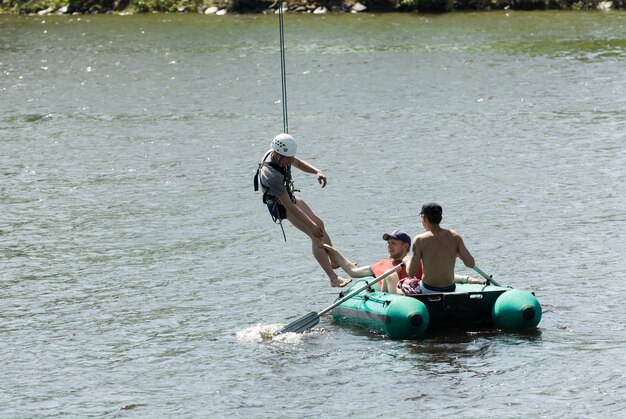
{"x": 302, "y": 324}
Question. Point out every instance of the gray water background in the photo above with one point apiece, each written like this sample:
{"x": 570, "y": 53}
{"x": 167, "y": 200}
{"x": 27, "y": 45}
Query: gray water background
{"x": 140, "y": 272}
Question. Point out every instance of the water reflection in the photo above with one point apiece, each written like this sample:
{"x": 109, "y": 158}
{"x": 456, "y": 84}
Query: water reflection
{"x": 457, "y": 352}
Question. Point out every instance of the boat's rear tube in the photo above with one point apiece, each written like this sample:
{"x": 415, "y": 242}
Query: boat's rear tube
{"x": 516, "y": 310}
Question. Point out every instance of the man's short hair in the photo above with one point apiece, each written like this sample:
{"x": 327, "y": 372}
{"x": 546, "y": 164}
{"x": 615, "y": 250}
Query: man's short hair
{"x": 432, "y": 212}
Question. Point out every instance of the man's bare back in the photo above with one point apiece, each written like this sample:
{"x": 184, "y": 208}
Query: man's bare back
{"x": 437, "y": 249}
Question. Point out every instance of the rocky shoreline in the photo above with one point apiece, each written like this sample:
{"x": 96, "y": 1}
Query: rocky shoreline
{"x": 220, "y": 8}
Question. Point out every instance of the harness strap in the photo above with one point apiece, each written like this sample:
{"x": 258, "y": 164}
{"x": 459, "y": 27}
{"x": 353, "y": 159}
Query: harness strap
{"x": 267, "y": 196}
{"x": 256, "y": 181}
{"x": 287, "y": 179}
{"x": 258, "y": 171}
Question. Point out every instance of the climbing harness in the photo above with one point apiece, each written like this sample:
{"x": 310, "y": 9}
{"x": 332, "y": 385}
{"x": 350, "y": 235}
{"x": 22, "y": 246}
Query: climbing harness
{"x": 277, "y": 211}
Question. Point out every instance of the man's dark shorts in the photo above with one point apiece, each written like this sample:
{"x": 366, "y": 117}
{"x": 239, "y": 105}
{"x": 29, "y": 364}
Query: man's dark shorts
{"x": 277, "y": 210}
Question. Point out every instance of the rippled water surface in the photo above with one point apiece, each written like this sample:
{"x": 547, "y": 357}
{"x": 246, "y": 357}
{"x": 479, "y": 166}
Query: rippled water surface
{"x": 141, "y": 276}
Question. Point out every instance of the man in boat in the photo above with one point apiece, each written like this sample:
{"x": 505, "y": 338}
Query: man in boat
{"x": 435, "y": 252}
{"x": 398, "y": 245}
{"x": 274, "y": 177}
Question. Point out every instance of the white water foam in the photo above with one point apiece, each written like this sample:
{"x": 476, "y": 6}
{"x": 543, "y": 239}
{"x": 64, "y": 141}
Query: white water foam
{"x": 267, "y": 333}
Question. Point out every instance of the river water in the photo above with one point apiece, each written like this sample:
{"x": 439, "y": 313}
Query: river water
{"x": 141, "y": 275}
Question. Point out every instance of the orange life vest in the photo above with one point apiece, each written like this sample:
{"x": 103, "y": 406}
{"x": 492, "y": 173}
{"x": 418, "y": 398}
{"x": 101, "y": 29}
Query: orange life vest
{"x": 384, "y": 265}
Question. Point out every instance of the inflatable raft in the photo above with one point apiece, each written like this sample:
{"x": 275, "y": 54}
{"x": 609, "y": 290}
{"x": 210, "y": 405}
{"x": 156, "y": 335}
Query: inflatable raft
{"x": 471, "y": 306}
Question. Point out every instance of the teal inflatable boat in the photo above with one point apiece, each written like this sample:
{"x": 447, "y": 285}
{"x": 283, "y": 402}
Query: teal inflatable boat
{"x": 470, "y": 306}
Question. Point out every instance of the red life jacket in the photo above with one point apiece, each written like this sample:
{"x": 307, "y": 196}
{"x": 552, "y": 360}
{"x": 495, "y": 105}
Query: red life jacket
{"x": 384, "y": 265}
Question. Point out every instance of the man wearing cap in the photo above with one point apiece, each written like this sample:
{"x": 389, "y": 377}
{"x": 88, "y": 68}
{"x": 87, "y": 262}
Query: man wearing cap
{"x": 398, "y": 244}
{"x": 435, "y": 252}
{"x": 274, "y": 177}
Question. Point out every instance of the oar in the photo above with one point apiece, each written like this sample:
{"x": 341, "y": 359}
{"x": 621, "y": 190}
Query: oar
{"x": 313, "y": 318}
{"x": 489, "y": 278}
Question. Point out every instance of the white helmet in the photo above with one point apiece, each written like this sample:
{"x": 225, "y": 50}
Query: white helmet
{"x": 285, "y": 145}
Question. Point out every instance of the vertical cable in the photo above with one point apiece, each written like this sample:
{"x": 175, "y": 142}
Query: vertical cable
{"x": 282, "y": 66}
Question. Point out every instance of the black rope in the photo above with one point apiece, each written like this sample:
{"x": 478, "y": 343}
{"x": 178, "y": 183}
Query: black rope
{"x": 283, "y": 230}
{"x": 276, "y": 217}
{"x": 283, "y": 75}
{"x": 282, "y": 66}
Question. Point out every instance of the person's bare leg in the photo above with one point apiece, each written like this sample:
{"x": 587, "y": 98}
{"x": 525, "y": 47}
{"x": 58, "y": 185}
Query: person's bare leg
{"x": 334, "y": 261}
{"x": 346, "y": 264}
{"x": 322, "y": 258}
{"x": 319, "y": 252}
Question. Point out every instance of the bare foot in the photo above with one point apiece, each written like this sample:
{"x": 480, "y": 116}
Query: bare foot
{"x": 340, "y": 282}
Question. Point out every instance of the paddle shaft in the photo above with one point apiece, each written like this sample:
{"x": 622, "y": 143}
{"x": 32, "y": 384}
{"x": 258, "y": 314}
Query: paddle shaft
{"x": 487, "y": 277}
{"x": 313, "y": 318}
{"x": 361, "y": 288}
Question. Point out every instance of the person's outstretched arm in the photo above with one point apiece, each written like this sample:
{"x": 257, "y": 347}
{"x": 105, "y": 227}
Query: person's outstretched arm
{"x": 309, "y": 168}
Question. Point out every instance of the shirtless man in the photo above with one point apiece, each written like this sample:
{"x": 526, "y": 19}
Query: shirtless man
{"x": 437, "y": 249}
{"x": 274, "y": 177}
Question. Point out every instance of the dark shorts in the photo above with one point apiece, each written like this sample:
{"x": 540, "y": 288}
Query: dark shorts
{"x": 276, "y": 209}
{"x": 412, "y": 286}
{"x": 428, "y": 289}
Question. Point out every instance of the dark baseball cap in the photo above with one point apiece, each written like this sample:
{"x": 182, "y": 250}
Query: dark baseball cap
{"x": 431, "y": 209}
{"x": 398, "y": 235}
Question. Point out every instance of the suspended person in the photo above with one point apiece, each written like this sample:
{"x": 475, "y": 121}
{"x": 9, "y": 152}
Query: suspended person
{"x": 435, "y": 251}
{"x": 274, "y": 177}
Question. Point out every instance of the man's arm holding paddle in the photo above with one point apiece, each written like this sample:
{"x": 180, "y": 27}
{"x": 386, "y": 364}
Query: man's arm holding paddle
{"x": 463, "y": 253}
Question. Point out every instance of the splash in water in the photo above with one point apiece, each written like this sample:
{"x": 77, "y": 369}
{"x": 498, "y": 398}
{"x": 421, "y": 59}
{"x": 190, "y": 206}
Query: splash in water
{"x": 267, "y": 333}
